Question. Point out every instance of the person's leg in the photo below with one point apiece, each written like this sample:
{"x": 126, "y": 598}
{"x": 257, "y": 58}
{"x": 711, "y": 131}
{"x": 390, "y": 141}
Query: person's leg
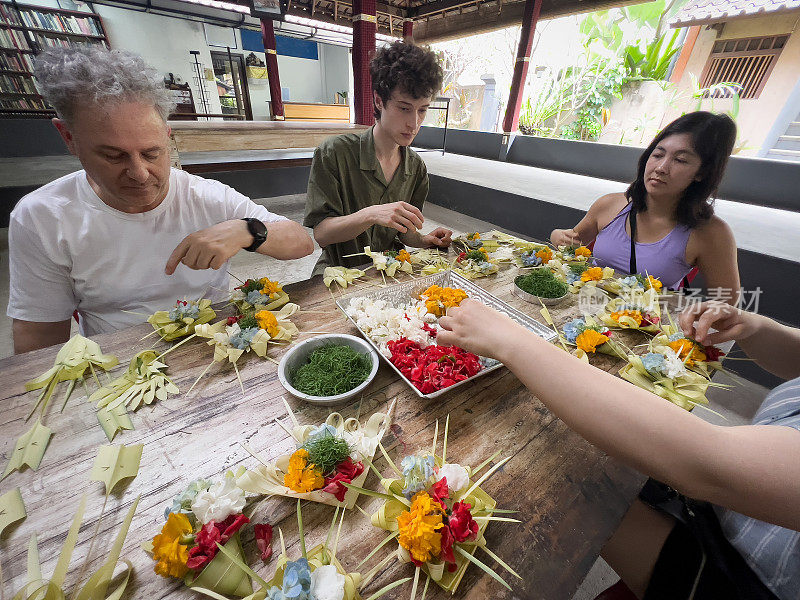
{"x": 634, "y": 548}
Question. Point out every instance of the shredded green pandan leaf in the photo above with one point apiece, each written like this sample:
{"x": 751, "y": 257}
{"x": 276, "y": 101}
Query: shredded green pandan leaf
{"x": 332, "y": 370}
{"x": 327, "y": 451}
{"x": 541, "y": 282}
{"x": 577, "y": 269}
{"x": 391, "y": 253}
{"x": 251, "y": 285}
{"x": 476, "y": 255}
{"x": 247, "y": 322}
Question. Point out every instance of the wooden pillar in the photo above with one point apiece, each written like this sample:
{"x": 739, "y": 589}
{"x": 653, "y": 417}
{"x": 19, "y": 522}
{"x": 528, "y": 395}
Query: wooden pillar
{"x": 408, "y": 31}
{"x": 529, "y": 20}
{"x": 365, "y": 24}
{"x": 276, "y": 100}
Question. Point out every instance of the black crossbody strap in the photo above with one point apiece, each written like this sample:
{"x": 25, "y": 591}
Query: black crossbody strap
{"x": 633, "y": 240}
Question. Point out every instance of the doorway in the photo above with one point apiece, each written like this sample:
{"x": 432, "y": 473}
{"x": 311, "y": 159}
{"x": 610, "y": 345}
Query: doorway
{"x": 231, "y": 81}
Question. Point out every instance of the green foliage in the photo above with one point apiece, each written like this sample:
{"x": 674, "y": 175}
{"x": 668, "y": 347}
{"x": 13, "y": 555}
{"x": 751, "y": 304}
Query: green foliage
{"x": 573, "y": 103}
{"x": 653, "y": 63}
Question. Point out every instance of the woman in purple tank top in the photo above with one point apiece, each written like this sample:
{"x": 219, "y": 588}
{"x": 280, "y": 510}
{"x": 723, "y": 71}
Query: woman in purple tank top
{"x": 664, "y": 224}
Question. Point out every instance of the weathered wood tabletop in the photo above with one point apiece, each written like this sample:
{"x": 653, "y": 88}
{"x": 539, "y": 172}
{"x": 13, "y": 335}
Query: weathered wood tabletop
{"x": 569, "y": 496}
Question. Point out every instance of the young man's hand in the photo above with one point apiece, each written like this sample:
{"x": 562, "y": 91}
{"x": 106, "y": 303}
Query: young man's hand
{"x": 402, "y": 216}
{"x": 210, "y": 248}
{"x": 438, "y": 238}
{"x": 565, "y": 237}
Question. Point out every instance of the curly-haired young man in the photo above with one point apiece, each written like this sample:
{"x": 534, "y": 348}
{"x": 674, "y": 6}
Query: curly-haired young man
{"x": 368, "y": 189}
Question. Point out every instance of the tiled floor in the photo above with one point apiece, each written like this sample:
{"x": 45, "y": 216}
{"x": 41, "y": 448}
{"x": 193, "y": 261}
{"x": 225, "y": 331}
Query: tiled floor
{"x": 737, "y": 405}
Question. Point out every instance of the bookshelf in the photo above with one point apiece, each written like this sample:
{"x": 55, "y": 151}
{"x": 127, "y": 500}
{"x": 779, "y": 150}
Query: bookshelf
{"x": 25, "y": 30}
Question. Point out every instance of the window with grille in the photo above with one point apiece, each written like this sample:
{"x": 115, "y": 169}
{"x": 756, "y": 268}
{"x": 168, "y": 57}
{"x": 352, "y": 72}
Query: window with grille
{"x": 746, "y": 63}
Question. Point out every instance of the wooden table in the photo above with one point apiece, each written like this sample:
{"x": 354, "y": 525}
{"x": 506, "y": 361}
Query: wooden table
{"x": 569, "y": 495}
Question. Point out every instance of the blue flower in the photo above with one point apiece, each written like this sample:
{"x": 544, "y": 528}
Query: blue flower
{"x": 182, "y": 503}
{"x": 275, "y": 593}
{"x": 529, "y": 259}
{"x": 474, "y": 244}
{"x": 184, "y": 311}
{"x": 318, "y": 432}
{"x": 676, "y": 336}
{"x": 655, "y": 364}
{"x": 573, "y": 329}
{"x": 297, "y": 580}
{"x": 241, "y": 340}
{"x": 572, "y": 277}
{"x": 256, "y": 297}
{"x": 416, "y": 471}
{"x": 631, "y": 281}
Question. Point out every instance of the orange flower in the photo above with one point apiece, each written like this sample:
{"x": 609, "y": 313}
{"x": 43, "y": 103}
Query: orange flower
{"x": 268, "y": 322}
{"x": 582, "y": 251}
{"x": 593, "y": 274}
{"x": 439, "y": 299}
{"x": 419, "y": 528}
{"x": 654, "y": 283}
{"x": 302, "y": 477}
{"x": 687, "y": 351}
{"x": 633, "y": 314}
{"x": 545, "y": 254}
{"x": 271, "y": 288}
{"x": 168, "y": 550}
{"x": 589, "y": 340}
{"x": 404, "y": 256}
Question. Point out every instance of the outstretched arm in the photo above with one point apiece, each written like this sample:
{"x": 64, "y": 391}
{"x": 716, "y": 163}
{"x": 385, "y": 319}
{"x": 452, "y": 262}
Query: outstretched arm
{"x": 750, "y": 469}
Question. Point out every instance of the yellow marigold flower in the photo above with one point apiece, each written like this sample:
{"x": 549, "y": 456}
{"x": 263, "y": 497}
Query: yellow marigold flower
{"x": 268, "y": 322}
{"x": 633, "y": 314}
{"x": 271, "y": 288}
{"x": 589, "y": 340}
{"x": 654, "y": 283}
{"x": 582, "y": 251}
{"x": 439, "y": 299}
{"x": 419, "y": 528}
{"x": 593, "y": 274}
{"x": 302, "y": 477}
{"x": 167, "y": 548}
{"x": 474, "y": 236}
{"x": 687, "y": 351}
{"x": 403, "y": 255}
{"x": 545, "y": 254}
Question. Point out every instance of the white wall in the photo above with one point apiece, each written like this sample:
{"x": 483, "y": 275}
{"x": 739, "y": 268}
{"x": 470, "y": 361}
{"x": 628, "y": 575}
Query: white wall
{"x": 164, "y": 42}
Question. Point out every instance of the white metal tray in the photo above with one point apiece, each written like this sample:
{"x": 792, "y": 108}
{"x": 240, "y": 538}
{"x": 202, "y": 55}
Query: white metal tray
{"x": 402, "y": 293}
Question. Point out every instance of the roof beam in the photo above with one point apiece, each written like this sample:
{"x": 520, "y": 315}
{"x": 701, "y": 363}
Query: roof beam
{"x": 480, "y": 17}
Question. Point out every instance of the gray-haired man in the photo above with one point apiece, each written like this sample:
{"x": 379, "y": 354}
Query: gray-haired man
{"x": 126, "y": 233}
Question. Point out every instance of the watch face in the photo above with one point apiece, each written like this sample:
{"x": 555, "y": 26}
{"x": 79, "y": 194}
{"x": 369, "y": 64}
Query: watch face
{"x": 257, "y": 228}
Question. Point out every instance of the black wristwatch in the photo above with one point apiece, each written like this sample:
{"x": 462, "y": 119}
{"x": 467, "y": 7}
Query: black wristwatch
{"x": 259, "y": 232}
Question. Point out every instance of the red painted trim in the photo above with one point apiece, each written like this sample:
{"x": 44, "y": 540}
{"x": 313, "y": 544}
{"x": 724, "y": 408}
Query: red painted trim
{"x": 363, "y": 51}
{"x": 529, "y": 20}
{"x": 408, "y": 31}
{"x": 685, "y": 54}
{"x": 273, "y": 76}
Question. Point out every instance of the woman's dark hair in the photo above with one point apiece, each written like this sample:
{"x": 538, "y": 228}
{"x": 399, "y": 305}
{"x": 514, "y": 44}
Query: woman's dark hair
{"x": 407, "y": 68}
{"x": 713, "y": 137}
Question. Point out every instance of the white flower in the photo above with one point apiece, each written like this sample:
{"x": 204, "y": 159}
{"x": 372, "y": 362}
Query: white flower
{"x": 457, "y": 477}
{"x": 222, "y": 500}
{"x": 674, "y": 365}
{"x": 327, "y": 583}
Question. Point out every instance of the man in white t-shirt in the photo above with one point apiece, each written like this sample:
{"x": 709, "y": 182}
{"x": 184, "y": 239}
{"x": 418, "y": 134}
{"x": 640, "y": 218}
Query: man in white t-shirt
{"x": 127, "y": 235}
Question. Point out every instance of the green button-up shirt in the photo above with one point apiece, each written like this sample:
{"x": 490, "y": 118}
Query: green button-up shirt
{"x": 346, "y": 177}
